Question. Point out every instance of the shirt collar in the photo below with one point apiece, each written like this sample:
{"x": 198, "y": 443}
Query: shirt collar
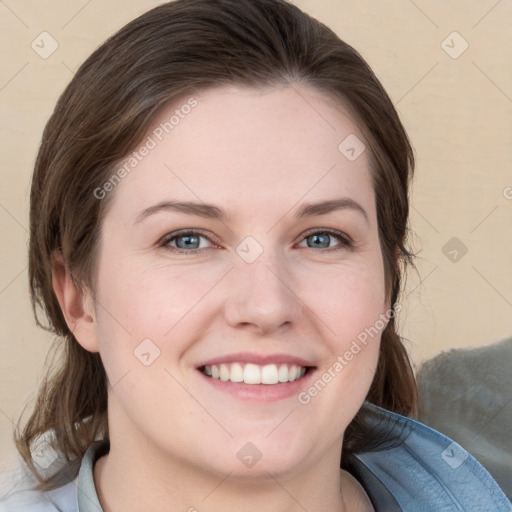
{"x": 86, "y": 490}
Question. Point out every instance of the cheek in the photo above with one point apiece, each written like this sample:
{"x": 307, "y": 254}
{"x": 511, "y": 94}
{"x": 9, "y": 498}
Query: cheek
{"x": 148, "y": 300}
{"x": 350, "y": 302}
{"x": 348, "y": 299}
{"x": 143, "y": 308}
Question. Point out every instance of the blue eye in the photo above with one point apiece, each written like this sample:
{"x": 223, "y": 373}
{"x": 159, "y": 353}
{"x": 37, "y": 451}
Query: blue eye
{"x": 185, "y": 240}
{"x": 189, "y": 241}
{"x": 321, "y": 239}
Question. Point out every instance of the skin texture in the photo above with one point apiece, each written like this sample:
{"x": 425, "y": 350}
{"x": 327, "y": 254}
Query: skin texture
{"x": 259, "y": 155}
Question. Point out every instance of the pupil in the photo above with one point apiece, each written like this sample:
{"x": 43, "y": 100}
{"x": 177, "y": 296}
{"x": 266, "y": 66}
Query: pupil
{"x": 319, "y": 242}
{"x": 189, "y": 240}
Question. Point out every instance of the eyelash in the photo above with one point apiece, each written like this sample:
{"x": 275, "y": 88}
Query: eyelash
{"x": 346, "y": 241}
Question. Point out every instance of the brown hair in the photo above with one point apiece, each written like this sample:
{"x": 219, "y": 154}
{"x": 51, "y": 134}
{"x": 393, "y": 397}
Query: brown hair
{"x": 103, "y": 114}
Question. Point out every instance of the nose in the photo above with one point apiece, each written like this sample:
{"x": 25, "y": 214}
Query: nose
{"x": 262, "y": 295}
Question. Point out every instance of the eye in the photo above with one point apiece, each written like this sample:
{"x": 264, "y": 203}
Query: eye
{"x": 189, "y": 241}
{"x": 321, "y": 239}
{"x": 184, "y": 240}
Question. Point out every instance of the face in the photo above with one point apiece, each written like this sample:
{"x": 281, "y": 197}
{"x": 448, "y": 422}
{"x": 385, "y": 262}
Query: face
{"x": 216, "y": 271}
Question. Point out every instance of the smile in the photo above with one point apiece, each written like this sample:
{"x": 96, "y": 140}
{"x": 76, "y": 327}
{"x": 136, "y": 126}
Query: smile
{"x": 250, "y": 373}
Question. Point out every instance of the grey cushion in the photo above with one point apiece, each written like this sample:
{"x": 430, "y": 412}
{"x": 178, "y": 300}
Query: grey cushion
{"x": 466, "y": 394}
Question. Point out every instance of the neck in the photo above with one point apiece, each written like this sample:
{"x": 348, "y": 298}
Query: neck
{"x": 133, "y": 480}
{"x": 123, "y": 484}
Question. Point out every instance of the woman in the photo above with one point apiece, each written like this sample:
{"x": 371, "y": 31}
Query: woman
{"x": 218, "y": 220}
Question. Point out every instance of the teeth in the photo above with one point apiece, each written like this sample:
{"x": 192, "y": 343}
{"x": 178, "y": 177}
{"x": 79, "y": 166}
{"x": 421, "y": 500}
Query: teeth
{"x": 283, "y": 373}
{"x": 224, "y": 372}
{"x": 253, "y": 374}
{"x": 269, "y": 374}
{"x": 237, "y": 373}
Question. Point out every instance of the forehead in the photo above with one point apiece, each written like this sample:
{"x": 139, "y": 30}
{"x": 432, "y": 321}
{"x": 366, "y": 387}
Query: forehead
{"x": 251, "y": 148}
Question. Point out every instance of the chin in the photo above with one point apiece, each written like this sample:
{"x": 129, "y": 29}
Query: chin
{"x": 248, "y": 460}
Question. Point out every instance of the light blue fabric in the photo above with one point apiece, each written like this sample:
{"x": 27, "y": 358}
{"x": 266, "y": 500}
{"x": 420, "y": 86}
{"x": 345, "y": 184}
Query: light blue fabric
{"x": 63, "y": 499}
{"x": 420, "y": 471}
{"x": 426, "y": 471}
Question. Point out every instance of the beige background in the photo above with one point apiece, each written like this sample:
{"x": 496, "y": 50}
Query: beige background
{"x": 457, "y": 112}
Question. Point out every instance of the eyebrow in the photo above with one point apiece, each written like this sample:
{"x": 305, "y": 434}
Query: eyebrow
{"x": 210, "y": 211}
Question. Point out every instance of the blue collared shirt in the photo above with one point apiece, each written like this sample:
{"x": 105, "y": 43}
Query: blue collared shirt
{"x": 417, "y": 469}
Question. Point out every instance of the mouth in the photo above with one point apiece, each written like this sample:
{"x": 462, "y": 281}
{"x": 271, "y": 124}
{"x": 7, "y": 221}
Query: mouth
{"x": 252, "y": 374}
{"x": 256, "y": 377}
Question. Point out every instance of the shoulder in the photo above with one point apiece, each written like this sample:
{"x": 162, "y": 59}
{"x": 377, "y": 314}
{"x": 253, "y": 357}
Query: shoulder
{"x": 19, "y": 495}
{"x": 418, "y": 468}
{"x": 62, "y": 499}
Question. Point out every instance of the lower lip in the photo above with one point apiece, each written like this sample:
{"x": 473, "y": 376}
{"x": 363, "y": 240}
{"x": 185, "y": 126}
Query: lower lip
{"x": 261, "y": 392}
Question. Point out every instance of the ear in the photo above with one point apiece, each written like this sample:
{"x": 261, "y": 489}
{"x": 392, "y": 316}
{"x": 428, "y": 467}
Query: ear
{"x": 77, "y": 306}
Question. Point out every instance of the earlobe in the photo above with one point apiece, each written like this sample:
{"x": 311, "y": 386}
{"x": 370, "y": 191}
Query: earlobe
{"x": 77, "y": 306}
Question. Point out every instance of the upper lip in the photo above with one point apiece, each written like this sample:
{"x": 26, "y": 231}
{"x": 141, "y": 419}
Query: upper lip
{"x": 259, "y": 359}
